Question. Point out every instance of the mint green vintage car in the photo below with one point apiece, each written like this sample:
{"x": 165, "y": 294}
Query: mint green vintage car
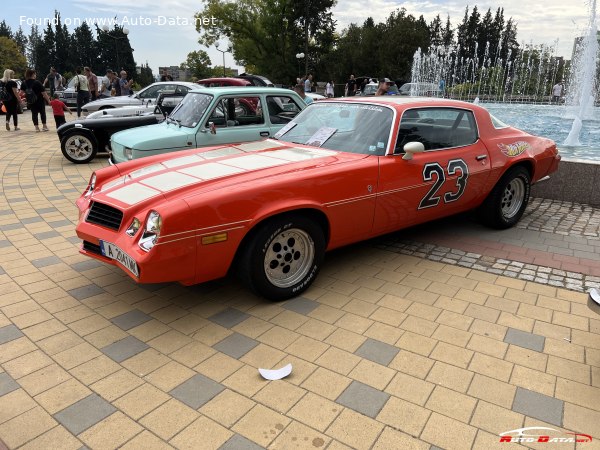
{"x": 211, "y": 116}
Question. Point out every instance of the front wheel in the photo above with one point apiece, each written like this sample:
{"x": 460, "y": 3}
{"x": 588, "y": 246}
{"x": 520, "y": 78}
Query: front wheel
{"x": 79, "y": 146}
{"x": 283, "y": 257}
{"x": 507, "y": 202}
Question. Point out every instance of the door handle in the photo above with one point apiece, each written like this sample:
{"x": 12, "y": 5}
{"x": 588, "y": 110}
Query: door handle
{"x": 264, "y": 133}
{"x": 481, "y": 157}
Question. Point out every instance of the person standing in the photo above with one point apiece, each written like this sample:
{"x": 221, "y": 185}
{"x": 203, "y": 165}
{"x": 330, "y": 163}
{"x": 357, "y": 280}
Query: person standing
{"x": 115, "y": 84}
{"x": 557, "y": 92}
{"x": 58, "y": 110}
{"x": 10, "y": 98}
{"x": 54, "y": 81}
{"x": 82, "y": 89}
{"x": 329, "y": 89}
{"x": 384, "y": 85}
{"x": 36, "y": 97}
{"x": 125, "y": 85}
{"x": 351, "y": 86}
{"x": 105, "y": 86}
{"x": 92, "y": 83}
{"x": 308, "y": 83}
{"x": 299, "y": 88}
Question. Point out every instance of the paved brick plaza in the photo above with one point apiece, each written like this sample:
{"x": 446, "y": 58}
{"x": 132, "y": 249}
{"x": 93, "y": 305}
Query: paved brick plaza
{"x": 441, "y": 336}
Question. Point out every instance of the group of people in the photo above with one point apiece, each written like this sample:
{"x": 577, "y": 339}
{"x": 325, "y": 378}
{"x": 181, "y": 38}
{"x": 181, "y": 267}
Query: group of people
{"x": 36, "y": 97}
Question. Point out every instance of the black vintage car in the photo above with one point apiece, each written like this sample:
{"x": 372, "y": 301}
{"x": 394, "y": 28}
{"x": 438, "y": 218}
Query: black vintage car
{"x": 81, "y": 140}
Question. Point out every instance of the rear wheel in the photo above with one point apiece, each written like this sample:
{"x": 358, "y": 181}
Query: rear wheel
{"x": 283, "y": 257}
{"x": 507, "y": 202}
{"x": 79, "y": 146}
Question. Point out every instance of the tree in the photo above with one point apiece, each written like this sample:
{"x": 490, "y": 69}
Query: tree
{"x": 114, "y": 51}
{"x": 63, "y": 53}
{"x": 269, "y": 33}
{"x": 447, "y": 34}
{"x": 5, "y": 30}
{"x": 11, "y": 57}
{"x": 21, "y": 40}
{"x": 84, "y": 49}
{"x": 198, "y": 63}
{"x": 145, "y": 76}
{"x": 436, "y": 32}
{"x": 46, "y": 52}
{"x": 33, "y": 44}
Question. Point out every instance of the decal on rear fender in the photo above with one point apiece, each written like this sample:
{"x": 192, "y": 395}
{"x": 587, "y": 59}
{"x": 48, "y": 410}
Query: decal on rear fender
{"x": 514, "y": 149}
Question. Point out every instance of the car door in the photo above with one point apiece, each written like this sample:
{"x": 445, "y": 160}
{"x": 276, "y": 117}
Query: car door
{"x": 281, "y": 109}
{"x": 448, "y": 177}
{"x": 236, "y": 118}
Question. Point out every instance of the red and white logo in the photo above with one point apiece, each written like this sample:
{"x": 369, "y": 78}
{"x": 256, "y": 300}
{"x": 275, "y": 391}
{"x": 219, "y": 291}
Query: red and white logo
{"x": 543, "y": 434}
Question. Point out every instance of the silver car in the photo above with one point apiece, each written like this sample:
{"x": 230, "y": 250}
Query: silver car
{"x": 148, "y": 95}
{"x": 69, "y": 94}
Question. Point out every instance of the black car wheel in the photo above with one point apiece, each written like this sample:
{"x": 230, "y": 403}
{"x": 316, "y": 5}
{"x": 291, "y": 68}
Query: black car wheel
{"x": 79, "y": 146}
{"x": 507, "y": 202}
{"x": 283, "y": 257}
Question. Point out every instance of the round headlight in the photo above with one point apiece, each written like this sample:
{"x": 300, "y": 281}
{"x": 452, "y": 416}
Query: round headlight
{"x": 151, "y": 231}
{"x": 91, "y": 185}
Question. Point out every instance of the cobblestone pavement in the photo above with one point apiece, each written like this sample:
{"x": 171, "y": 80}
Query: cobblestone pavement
{"x": 441, "y": 336}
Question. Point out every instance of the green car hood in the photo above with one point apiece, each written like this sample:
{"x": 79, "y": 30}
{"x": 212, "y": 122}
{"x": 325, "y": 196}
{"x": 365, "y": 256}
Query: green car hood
{"x": 154, "y": 137}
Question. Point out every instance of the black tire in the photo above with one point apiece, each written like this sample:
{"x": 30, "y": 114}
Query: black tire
{"x": 505, "y": 205}
{"x": 297, "y": 243}
{"x": 79, "y": 146}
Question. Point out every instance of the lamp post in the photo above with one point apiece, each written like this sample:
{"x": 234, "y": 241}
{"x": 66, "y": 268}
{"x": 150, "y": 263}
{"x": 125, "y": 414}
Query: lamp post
{"x": 299, "y": 56}
{"x": 116, "y": 38}
{"x": 223, "y": 51}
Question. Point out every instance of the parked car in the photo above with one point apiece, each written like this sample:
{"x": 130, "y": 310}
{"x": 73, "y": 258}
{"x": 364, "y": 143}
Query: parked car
{"x": 371, "y": 89}
{"x": 69, "y": 94}
{"x": 213, "y": 116}
{"x": 148, "y": 94}
{"x": 343, "y": 171}
{"x": 420, "y": 89}
{"x": 82, "y": 139}
{"x": 223, "y": 81}
{"x": 256, "y": 80}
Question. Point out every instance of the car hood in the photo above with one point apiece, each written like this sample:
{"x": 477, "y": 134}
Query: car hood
{"x": 196, "y": 171}
{"x": 117, "y": 101}
{"x": 154, "y": 137}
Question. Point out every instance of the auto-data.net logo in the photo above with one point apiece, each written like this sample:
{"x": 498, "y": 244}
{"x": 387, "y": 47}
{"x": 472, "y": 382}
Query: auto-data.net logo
{"x": 543, "y": 434}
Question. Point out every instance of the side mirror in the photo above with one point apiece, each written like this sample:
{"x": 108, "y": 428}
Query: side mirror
{"x": 212, "y": 127}
{"x": 411, "y": 148}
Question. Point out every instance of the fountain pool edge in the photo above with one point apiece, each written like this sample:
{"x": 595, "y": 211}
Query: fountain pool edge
{"x": 576, "y": 180}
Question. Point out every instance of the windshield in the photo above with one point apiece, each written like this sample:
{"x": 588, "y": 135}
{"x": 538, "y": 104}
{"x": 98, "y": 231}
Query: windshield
{"x": 347, "y": 127}
{"x": 191, "y": 109}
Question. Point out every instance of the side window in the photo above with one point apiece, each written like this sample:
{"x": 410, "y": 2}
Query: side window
{"x": 182, "y": 89}
{"x": 282, "y": 109}
{"x": 437, "y": 128}
{"x": 152, "y": 92}
{"x": 237, "y": 111}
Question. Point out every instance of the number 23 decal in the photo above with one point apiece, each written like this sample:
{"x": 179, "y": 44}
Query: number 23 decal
{"x": 454, "y": 165}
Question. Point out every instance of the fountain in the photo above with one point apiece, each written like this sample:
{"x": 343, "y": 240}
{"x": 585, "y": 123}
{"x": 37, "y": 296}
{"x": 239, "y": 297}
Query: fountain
{"x": 515, "y": 85}
{"x": 583, "y": 79}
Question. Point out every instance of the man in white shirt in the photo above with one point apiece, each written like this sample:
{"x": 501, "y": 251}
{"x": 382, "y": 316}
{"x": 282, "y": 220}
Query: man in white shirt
{"x": 556, "y": 92}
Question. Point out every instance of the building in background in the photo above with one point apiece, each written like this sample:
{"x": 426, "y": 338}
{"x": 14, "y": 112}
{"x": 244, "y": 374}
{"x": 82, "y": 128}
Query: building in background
{"x": 177, "y": 73}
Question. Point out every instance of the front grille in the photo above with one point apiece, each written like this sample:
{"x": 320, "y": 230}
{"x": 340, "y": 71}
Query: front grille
{"x": 93, "y": 248}
{"x": 105, "y": 215}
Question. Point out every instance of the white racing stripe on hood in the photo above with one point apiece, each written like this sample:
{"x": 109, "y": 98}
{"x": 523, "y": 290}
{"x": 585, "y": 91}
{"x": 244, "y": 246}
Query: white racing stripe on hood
{"x": 209, "y": 171}
{"x": 225, "y": 151}
{"x": 133, "y": 193}
{"x": 184, "y": 160}
{"x": 253, "y": 162}
{"x": 169, "y": 181}
{"x": 300, "y": 154}
{"x": 259, "y": 145}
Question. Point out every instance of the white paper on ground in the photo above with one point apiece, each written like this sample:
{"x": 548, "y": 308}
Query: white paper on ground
{"x": 276, "y": 374}
{"x": 595, "y": 295}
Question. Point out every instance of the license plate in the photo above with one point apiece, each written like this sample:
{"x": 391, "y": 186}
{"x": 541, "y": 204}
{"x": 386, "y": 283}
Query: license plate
{"x": 113, "y": 252}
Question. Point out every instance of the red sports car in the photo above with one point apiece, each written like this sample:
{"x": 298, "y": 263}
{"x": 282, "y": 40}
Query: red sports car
{"x": 342, "y": 171}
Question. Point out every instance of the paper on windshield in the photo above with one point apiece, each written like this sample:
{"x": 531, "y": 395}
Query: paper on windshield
{"x": 276, "y": 374}
{"x": 285, "y": 129}
{"x": 321, "y": 136}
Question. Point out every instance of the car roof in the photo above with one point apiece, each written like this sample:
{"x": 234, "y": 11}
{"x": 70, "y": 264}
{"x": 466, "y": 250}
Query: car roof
{"x": 244, "y": 89}
{"x": 239, "y": 81}
{"x": 401, "y": 102}
{"x": 184, "y": 83}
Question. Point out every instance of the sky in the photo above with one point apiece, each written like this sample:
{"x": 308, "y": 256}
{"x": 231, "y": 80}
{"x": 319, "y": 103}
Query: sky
{"x": 163, "y": 33}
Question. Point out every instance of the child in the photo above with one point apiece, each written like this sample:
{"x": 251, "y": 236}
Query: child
{"x": 58, "y": 109}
